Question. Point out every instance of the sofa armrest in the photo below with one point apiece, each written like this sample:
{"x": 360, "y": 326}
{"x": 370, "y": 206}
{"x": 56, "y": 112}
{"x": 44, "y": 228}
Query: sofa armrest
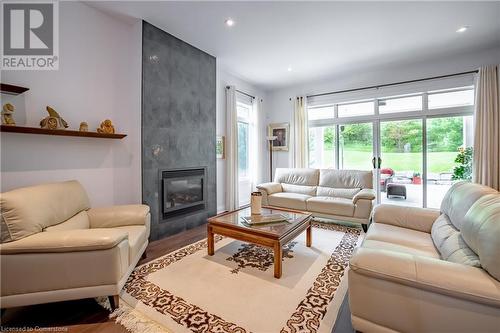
{"x": 66, "y": 241}
{"x": 270, "y": 188}
{"x": 366, "y": 193}
{"x": 117, "y": 216}
{"x": 420, "y": 219}
{"x": 426, "y": 273}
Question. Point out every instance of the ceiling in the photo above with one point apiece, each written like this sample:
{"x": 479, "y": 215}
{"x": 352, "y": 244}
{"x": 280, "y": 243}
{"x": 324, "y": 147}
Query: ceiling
{"x": 319, "y": 39}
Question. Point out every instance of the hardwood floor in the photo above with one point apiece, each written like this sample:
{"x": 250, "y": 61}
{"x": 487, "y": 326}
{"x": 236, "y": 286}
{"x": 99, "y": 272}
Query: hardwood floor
{"x": 86, "y": 315}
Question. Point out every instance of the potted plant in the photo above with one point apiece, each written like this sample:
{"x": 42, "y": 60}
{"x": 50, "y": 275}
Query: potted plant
{"x": 463, "y": 171}
{"x": 417, "y": 179}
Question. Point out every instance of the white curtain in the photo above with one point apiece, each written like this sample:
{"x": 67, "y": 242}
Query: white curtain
{"x": 486, "y": 167}
{"x": 257, "y": 136}
{"x": 232, "y": 201}
{"x": 299, "y": 126}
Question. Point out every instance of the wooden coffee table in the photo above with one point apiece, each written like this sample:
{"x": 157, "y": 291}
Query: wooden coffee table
{"x": 273, "y": 235}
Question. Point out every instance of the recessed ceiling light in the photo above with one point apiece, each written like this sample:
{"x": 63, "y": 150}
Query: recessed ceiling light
{"x": 463, "y": 29}
{"x": 289, "y": 69}
{"x": 229, "y": 22}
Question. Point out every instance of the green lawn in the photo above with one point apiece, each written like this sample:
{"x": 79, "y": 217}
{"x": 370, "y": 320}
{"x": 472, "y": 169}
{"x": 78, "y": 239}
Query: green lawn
{"x": 355, "y": 159}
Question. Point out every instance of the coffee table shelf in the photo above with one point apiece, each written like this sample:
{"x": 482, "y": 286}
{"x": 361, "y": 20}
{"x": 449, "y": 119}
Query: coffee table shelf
{"x": 274, "y": 235}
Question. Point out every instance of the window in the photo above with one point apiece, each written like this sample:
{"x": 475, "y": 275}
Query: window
{"x": 451, "y": 99}
{"x": 402, "y": 104}
{"x": 356, "y": 109}
{"x": 321, "y": 112}
{"x": 243, "y": 149}
{"x": 322, "y": 147}
{"x": 245, "y": 127}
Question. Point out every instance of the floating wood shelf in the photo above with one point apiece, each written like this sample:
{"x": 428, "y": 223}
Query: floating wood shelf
{"x": 12, "y": 89}
{"x": 35, "y": 130}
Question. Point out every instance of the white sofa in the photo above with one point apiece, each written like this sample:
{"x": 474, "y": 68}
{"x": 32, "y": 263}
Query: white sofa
{"x": 54, "y": 247}
{"x": 337, "y": 194}
{"x": 429, "y": 270}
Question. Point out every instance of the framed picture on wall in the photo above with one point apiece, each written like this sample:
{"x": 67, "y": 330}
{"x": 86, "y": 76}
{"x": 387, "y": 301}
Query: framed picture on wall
{"x": 220, "y": 146}
{"x": 282, "y": 133}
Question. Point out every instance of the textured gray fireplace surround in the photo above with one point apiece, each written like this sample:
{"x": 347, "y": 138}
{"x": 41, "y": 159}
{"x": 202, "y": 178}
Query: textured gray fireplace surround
{"x": 178, "y": 122}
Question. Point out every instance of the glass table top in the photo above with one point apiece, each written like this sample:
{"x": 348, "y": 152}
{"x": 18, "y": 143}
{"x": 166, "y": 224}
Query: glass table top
{"x": 235, "y": 219}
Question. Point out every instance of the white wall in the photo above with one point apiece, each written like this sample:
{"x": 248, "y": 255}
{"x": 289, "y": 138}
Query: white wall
{"x": 280, "y": 108}
{"x": 226, "y": 79}
{"x": 99, "y": 77}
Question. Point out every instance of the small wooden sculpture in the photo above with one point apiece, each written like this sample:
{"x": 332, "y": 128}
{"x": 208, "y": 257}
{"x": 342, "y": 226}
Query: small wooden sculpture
{"x": 84, "y": 127}
{"x": 106, "y": 127}
{"x": 7, "y": 118}
{"x": 53, "y": 121}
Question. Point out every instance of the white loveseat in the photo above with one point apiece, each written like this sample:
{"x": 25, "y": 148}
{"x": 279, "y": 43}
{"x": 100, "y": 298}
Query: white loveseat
{"x": 429, "y": 270}
{"x": 337, "y": 194}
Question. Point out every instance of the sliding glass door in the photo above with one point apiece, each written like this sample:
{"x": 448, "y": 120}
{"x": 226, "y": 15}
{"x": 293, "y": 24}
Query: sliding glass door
{"x": 417, "y": 144}
{"x": 449, "y": 155}
{"x": 401, "y": 153}
{"x": 356, "y": 146}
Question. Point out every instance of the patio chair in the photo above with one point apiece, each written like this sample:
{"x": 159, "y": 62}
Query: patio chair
{"x": 397, "y": 190}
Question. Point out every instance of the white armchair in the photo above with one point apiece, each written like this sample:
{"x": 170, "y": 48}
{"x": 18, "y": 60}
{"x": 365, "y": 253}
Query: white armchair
{"x": 54, "y": 247}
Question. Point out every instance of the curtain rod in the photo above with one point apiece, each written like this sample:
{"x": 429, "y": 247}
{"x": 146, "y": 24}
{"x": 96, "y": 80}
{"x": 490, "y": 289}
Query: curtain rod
{"x": 242, "y": 92}
{"x": 392, "y": 84}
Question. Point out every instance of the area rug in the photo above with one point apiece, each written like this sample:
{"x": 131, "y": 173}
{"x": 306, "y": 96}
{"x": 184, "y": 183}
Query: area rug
{"x": 235, "y": 291}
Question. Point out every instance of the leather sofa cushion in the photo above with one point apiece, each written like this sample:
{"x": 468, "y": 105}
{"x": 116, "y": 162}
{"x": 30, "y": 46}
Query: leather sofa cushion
{"x": 79, "y": 221}
{"x": 459, "y": 198}
{"x": 307, "y": 177}
{"x": 450, "y": 244}
{"x": 418, "y": 240}
{"x": 441, "y": 230}
{"x": 481, "y": 231}
{"x": 301, "y": 189}
{"x": 376, "y": 244}
{"x": 347, "y": 193}
{"x": 289, "y": 200}
{"x": 29, "y": 210}
{"x": 137, "y": 237}
{"x": 345, "y": 178}
{"x": 25, "y": 273}
{"x": 332, "y": 206}
{"x": 65, "y": 241}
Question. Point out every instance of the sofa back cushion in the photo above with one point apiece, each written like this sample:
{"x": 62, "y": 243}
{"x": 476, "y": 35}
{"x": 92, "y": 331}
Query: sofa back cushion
{"x": 450, "y": 244}
{"x": 301, "y": 189}
{"x": 347, "y": 193}
{"x": 29, "y": 210}
{"x": 459, "y": 198}
{"x": 77, "y": 222}
{"x": 343, "y": 179}
{"x": 481, "y": 231}
{"x": 305, "y": 177}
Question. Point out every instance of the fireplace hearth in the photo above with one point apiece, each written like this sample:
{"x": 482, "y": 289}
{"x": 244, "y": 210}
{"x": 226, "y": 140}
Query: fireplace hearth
{"x": 183, "y": 191}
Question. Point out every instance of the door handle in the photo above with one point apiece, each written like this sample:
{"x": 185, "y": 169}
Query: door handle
{"x": 373, "y": 162}
{"x": 379, "y": 162}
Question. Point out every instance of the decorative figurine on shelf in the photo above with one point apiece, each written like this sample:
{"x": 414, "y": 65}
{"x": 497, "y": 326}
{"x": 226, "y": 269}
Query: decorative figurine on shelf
{"x": 84, "y": 127}
{"x": 53, "y": 121}
{"x": 7, "y": 118}
{"x": 106, "y": 127}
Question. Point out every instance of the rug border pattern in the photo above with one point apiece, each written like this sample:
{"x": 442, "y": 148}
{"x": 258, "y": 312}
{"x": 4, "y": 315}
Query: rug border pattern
{"x": 307, "y": 316}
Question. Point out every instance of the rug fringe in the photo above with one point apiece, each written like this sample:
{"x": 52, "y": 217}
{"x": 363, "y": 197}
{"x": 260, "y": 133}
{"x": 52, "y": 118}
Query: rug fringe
{"x": 131, "y": 319}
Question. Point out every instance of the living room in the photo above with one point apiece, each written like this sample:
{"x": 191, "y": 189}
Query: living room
{"x": 250, "y": 166}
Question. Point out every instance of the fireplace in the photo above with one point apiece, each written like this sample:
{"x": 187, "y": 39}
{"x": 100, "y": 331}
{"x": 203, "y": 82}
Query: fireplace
{"x": 183, "y": 191}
